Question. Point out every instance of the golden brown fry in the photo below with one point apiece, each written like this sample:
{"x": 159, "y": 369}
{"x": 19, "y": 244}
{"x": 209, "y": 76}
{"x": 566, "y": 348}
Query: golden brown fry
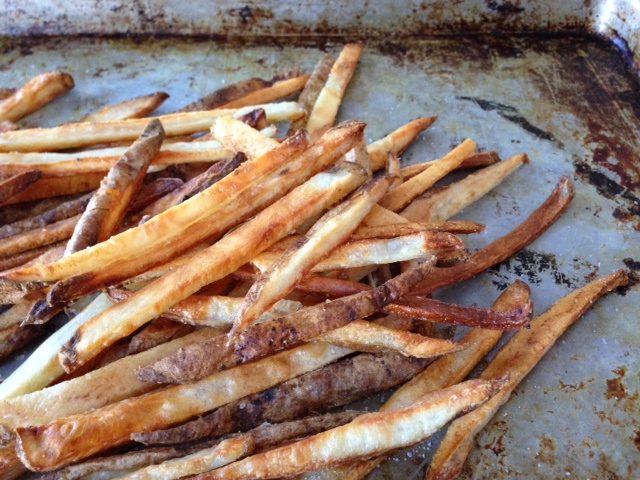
{"x": 10, "y": 465}
{"x": 14, "y": 315}
{"x": 16, "y": 184}
{"x": 22, "y": 259}
{"x": 35, "y": 94}
{"x": 8, "y": 126}
{"x": 410, "y": 189}
{"x": 74, "y": 438}
{"x": 58, "y": 186}
{"x": 397, "y": 141}
{"x": 158, "y": 331}
{"x": 453, "y": 199}
{"x": 92, "y": 133}
{"x": 279, "y": 90}
{"x": 134, "y": 108}
{"x": 516, "y": 359}
{"x": 109, "y": 204}
{"x": 325, "y": 109}
{"x": 481, "y": 159}
{"x": 498, "y": 251}
{"x": 384, "y": 431}
{"x": 312, "y": 88}
{"x": 38, "y": 237}
{"x": 240, "y": 137}
{"x": 392, "y": 230}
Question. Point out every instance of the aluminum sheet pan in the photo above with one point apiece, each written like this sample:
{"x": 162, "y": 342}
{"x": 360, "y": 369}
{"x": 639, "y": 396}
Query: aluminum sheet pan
{"x": 569, "y": 102}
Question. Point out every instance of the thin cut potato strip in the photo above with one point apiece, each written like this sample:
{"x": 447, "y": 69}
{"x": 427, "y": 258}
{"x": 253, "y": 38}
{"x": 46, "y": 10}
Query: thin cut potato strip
{"x": 58, "y": 186}
{"x": 133, "y": 108}
{"x": 280, "y": 89}
{"x": 16, "y": 337}
{"x": 481, "y": 159}
{"x": 312, "y": 88}
{"x": 397, "y": 141}
{"x": 39, "y": 237}
{"x": 17, "y": 183}
{"x": 35, "y": 94}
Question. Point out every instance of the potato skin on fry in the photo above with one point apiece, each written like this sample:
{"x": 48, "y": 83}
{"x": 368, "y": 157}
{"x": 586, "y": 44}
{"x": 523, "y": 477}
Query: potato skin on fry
{"x": 17, "y": 183}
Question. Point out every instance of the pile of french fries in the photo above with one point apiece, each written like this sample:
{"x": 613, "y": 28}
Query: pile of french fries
{"x": 229, "y": 286}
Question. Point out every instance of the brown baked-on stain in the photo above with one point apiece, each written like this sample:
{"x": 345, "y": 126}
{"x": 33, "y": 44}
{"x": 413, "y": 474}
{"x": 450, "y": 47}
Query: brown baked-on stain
{"x": 615, "y": 388}
{"x": 547, "y": 452}
{"x": 636, "y": 439}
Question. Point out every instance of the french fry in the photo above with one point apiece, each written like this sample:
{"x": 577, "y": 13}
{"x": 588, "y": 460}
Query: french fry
{"x": 42, "y": 366}
{"x": 134, "y": 108}
{"x": 65, "y": 210}
{"x": 10, "y": 465}
{"x": 203, "y": 358}
{"x": 211, "y": 264}
{"x": 23, "y": 258}
{"x": 38, "y": 237}
{"x": 109, "y": 204}
{"x": 35, "y": 94}
{"x": 312, "y": 89}
{"x": 498, "y": 251}
{"x": 8, "y": 126}
{"x": 6, "y": 93}
{"x": 240, "y": 137}
{"x": 325, "y": 109}
{"x": 277, "y": 91}
{"x": 481, "y": 159}
{"x": 379, "y": 216}
{"x": 334, "y": 385}
{"x": 328, "y": 232}
{"x": 151, "y": 192}
{"x": 407, "y": 191}
{"x": 241, "y": 92}
{"x": 16, "y": 184}
{"x": 97, "y": 388}
{"x": 14, "y": 338}
{"x": 454, "y": 198}
{"x": 392, "y": 230}
{"x": 74, "y": 438}
{"x": 91, "y": 133}
{"x": 516, "y": 359}
{"x": 397, "y": 141}
{"x": 14, "y": 315}
{"x": 58, "y": 186}
{"x": 158, "y": 331}
{"x": 383, "y": 431}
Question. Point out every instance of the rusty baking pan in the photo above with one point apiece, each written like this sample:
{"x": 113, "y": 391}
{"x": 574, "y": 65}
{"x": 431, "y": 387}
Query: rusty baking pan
{"x": 556, "y": 80}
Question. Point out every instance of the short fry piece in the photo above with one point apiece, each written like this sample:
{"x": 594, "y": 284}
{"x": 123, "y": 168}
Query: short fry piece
{"x": 17, "y": 183}
{"x": 134, "y": 108}
{"x": 413, "y": 187}
{"x": 35, "y": 94}
{"x": 516, "y": 359}
{"x": 481, "y": 159}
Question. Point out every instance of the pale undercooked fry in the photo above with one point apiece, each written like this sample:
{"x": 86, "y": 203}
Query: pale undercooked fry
{"x": 110, "y": 202}
{"x": 408, "y": 190}
{"x": 453, "y": 199}
{"x": 133, "y": 108}
{"x": 525, "y": 233}
{"x": 327, "y": 233}
{"x": 74, "y": 438}
{"x": 35, "y": 94}
{"x": 38, "y": 237}
{"x": 111, "y": 383}
{"x": 157, "y": 332}
{"x": 397, "y": 141}
{"x": 481, "y": 159}
{"x": 240, "y": 91}
{"x": 325, "y": 109}
{"x": 516, "y": 359}
{"x": 42, "y": 366}
{"x": 312, "y": 88}
{"x": 211, "y": 264}
{"x": 332, "y": 386}
{"x": 14, "y": 338}
{"x": 16, "y": 184}
{"x": 91, "y": 133}
{"x": 65, "y": 210}
{"x": 58, "y": 186}
{"x": 203, "y": 358}
{"x": 443, "y": 372}
{"x": 368, "y": 435}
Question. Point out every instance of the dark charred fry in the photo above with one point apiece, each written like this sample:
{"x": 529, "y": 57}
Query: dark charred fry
{"x": 14, "y": 338}
{"x": 158, "y": 331}
{"x": 17, "y": 183}
{"x": 255, "y": 118}
{"x": 152, "y": 191}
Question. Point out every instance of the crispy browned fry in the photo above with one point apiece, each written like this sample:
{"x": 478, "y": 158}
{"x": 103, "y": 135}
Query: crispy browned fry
{"x": 152, "y": 191}
{"x": 80, "y": 436}
{"x": 516, "y": 359}
{"x": 255, "y": 119}
{"x": 16, "y": 184}
{"x": 10, "y": 465}
{"x": 134, "y": 108}
{"x": 392, "y": 230}
{"x": 92, "y": 133}
{"x": 498, "y": 251}
{"x": 14, "y": 213}
{"x": 35, "y": 94}
{"x": 240, "y": 137}
{"x": 14, "y": 338}
{"x": 384, "y": 431}
{"x": 277, "y": 91}
{"x": 109, "y": 204}
{"x": 8, "y": 126}
{"x": 408, "y": 190}
{"x": 332, "y": 386}
{"x": 6, "y": 92}
{"x": 325, "y": 109}
{"x": 59, "y": 212}
{"x": 397, "y": 141}
{"x": 215, "y": 262}
{"x": 194, "y": 186}
{"x": 38, "y": 237}
{"x": 50, "y": 253}
{"x": 312, "y": 89}
{"x": 158, "y": 331}
{"x": 58, "y": 186}
{"x": 453, "y": 199}
{"x": 21, "y": 259}
{"x": 14, "y": 315}
{"x": 481, "y": 159}
{"x": 328, "y": 232}
{"x": 203, "y": 358}
{"x": 444, "y": 372}
{"x": 238, "y": 92}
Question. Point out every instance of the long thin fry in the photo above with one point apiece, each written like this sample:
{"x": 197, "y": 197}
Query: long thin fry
{"x": 454, "y": 198}
{"x": 58, "y": 186}
{"x": 157, "y": 332}
{"x": 90, "y": 133}
{"x": 312, "y": 88}
{"x": 133, "y": 108}
{"x": 279, "y": 90}
{"x": 38, "y": 237}
{"x": 35, "y": 94}
{"x": 391, "y": 230}
{"x": 16, "y": 184}
{"x": 410, "y": 189}
{"x": 517, "y": 358}
{"x": 325, "y": 109}
{"x": 525, "y": 233}
{"x": 481, "y": 159}
{"x": 14, "y": 315}
{"x": 16, "y": 337}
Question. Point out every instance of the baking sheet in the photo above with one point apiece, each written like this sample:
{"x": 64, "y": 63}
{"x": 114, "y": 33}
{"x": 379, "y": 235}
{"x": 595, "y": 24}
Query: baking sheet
{"x": 567, "y": 101}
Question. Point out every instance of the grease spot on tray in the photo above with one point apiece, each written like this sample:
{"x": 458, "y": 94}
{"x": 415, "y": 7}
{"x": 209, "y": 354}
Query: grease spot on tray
{"x": 531, "y": 266}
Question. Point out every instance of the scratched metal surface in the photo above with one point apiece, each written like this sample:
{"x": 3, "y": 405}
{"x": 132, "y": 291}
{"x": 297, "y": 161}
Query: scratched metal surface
{"x": 568, "y": 102}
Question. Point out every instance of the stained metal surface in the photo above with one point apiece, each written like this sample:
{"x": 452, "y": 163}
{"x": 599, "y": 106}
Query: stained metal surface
{"x": 569, "y": 102}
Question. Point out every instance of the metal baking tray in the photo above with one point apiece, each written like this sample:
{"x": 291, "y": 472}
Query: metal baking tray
{"x": 554, "y": 79}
